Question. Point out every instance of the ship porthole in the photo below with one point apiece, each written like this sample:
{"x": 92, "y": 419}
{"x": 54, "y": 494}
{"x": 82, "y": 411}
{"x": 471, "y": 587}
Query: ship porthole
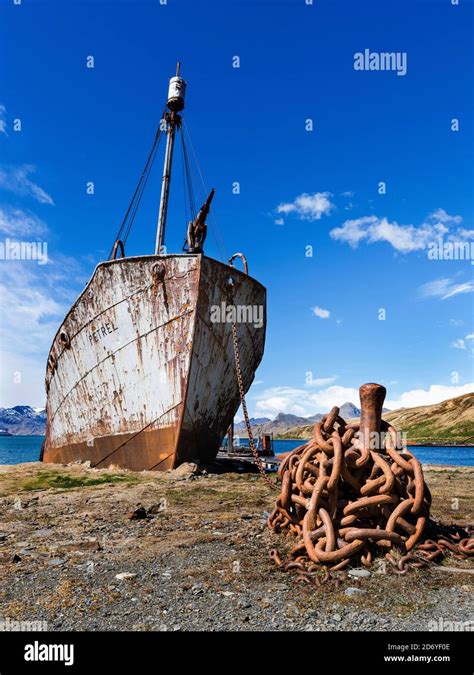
{"x": 65, "y": 339}
{"x": 90, "y": 294}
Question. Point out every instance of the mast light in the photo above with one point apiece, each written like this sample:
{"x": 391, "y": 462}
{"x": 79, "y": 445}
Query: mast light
{"x": 176, "y": 92}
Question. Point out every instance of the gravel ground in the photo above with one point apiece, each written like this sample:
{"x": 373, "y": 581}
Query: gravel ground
{"x": 71, "y": 556}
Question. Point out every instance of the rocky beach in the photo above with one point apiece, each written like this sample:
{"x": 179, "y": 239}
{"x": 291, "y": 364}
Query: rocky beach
{"x": 87, "y": 549}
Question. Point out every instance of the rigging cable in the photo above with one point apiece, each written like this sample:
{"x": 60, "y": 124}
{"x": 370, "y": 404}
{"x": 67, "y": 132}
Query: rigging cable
{"x": 214, "y": 227}
{"x": 189, "y": 182}
{"x": 185, "y": 202}
{"x": 142, "y": 189}
{"x": 137, "y": 195}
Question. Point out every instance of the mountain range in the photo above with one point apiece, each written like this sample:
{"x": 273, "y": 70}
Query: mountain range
{"x": 448, "y": 422}
{"x": 285, "y": 421}
{"x": 22, "y": 420}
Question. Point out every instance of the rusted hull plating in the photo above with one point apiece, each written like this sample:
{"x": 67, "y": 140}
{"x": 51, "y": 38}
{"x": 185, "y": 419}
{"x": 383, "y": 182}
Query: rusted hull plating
{"x": 138, "y": 375}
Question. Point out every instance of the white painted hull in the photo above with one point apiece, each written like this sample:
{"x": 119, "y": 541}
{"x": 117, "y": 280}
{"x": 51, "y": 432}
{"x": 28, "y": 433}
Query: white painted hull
{"x": 138, "y": 375}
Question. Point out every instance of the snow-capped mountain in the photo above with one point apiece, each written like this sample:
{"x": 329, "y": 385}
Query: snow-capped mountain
{"x": 23, "y": 420}
{"x": 285, "y": 421}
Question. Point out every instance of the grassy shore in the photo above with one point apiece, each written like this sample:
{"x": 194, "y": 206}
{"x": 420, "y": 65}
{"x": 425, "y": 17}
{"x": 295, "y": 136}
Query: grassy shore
{"x": 198, "y": 561}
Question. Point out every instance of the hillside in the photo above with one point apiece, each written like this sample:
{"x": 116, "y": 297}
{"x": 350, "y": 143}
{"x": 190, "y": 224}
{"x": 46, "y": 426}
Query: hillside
{"x": 448, "y": 422}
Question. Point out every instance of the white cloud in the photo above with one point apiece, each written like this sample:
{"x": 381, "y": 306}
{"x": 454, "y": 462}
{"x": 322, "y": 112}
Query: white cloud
{"x": 18, "y": 223}
{"x": 321, "y": 313}
{"x": 403, "y": 238}
{"x": 444, "y": 288}
{"x": 279, "y": 221}
{"x": 464, "y": 343}
{"x": 301, "y": 402}
{"x": 29, "y": 306}
{"x": 34, "y": 300}
{"x": 435, "y": 394}
{"x": 465, "y": 234}
{"x": 308, "y": 206}
{"x": 22, "y": 380}
{"x": 16, "y": 180}
{"x": 274, "y": 400}
{"x": 3, "y": 123}
{"x": 347, "y": 193}
{"x": 440, "y": 216}
{"x": 321, "y": 381}
{"x": 458, "y": 344}
{"x": 354, "y": 231}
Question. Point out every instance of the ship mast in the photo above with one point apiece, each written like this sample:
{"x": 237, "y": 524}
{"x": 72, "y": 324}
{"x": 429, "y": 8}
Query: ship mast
{"x": 175, "y": 103}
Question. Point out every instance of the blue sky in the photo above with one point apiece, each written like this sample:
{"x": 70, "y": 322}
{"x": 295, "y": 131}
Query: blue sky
{"x": 298, "y": 188}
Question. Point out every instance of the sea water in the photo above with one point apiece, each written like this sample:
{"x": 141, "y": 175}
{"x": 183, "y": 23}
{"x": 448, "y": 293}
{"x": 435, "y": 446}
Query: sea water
{"x": 18, "y": 449}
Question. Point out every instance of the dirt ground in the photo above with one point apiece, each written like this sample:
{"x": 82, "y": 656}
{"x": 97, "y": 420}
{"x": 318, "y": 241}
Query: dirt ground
{"x": 199, "y": 559}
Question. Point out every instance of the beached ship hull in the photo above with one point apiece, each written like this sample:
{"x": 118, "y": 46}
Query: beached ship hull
{"x": 139, "y": 374}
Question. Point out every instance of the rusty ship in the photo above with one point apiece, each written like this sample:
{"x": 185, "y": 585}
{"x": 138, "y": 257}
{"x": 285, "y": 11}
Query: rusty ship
{"x": 139, "y": 375}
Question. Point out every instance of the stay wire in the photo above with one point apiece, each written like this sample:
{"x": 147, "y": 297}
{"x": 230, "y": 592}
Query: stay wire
{"x": 188, "y": 177}
{"x": 214, "y": 226}
{"x": 139, "y": 189}
{"x": 139, "y": 197}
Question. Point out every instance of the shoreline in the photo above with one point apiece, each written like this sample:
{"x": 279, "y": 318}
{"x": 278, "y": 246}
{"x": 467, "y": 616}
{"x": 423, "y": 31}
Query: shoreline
{"x": 46, "y": 465}
{"x": 22, "y": 450}
{"x": 421, "y": 444}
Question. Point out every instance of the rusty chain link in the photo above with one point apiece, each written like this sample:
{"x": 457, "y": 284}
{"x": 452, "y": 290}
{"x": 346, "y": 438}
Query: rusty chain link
{"x": 346, "y": 503}
{"x": 240, "y": 384}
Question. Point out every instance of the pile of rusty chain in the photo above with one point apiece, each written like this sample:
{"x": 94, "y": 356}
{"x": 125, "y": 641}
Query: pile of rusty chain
{"x": 438, "y": 539}
{"x": 346, "y": 503}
